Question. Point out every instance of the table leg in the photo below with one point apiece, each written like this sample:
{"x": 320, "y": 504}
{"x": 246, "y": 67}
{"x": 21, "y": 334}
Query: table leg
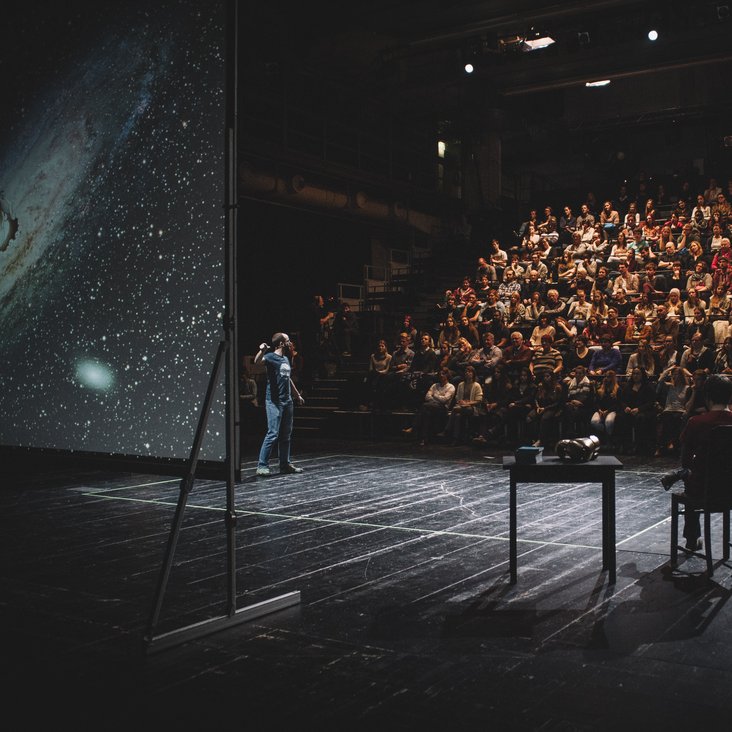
{"x": 512, "y": 552}
{"x": 608, "y": 524}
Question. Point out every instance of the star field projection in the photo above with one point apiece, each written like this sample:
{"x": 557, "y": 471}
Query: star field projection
{"x": 111, "y": 291}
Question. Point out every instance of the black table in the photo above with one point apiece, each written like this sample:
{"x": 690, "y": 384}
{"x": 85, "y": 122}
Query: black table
{"x": 553, "y": 470}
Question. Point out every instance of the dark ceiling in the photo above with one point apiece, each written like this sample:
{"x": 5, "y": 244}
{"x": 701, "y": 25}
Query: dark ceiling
{"x": 412, "y": 53}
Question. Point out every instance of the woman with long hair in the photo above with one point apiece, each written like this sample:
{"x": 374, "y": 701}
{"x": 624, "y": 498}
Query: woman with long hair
{"x": 637, "y": 409}
{"x": 676, "y": 386}
{"x": 496, "y": 390}
{"x": 520, "y": 401}
{"x": 542, "y": 328}
{"x": 692, "y": 302}
{"x": 375, "y": 381}
{"x": 591, "y": 331}
{"x": 602, "y": 422}
{"x": 598, "y": 304}
{"x": 542, "y": 420}
{"x": 449, "y": 334}
{"x": 674, "y": 305}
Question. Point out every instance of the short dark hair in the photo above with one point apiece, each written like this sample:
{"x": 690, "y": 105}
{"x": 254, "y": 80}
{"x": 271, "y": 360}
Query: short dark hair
{"x": 718, "y": 389}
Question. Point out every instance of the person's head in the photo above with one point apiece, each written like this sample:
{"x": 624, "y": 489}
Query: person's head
{"x": 509, "y": 275}
{"x": 637, "y": 375}
{"x": 546, "y": 342}
{"x": 517, "y": 339}
{"x": 580, "y": 343}
{"x": 426, "y": 340}
{"x": 524, "y": 375}
{"x": 488, "y": 339}
{"x": 464, "y": 321}
{"x": 643, "y": 344}
{"x": 661, "y": 311}
{"x": 697, "y": 341}
{"x": 543, "y": 319}
{"x": 469, "y": 374}
{"x": 668, "y": 343}
{"x": 606, "y": 342}
{"x": 514, "y": 298}
{"x": 281, "y": 340}
{"x": 593, "y": 321}
{"x": 607, "y": 206}
{"x": 444, "y": 375}
{"x": 602, "y": 271}
{"x": 699, "y": 376}
{"x": 580, "y": 372}
{"x": 622, "y": 267}
{"x": 612, "y": 314}
{"x": 727, "y": 343}
{"x": 699, "y": 314}
{"x": 610, "y": 378}
{"x": 449, "y": 322}
{"x": 381, "y": 346}
{"x": 464, "y": 345}
{"x": 552, "y": 296}
{"x": 484, "y": 280}
{"x": 677, "y": 376}
{"x": 404, "y": 340}
{"x": 581, "y": 294}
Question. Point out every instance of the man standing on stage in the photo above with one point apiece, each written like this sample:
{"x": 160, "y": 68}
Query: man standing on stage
{"x": 278, "y": 403}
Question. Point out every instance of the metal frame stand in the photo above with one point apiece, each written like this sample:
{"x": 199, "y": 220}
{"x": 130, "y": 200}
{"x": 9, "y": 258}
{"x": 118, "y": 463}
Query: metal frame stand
{"x": 227, "y": 351}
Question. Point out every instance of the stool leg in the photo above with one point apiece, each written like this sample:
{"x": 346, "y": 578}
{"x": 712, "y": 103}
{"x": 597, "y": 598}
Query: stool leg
{"x": 674, "y": 550}
{"x": 708, "y": 541}
{"x": 725, "y": 534}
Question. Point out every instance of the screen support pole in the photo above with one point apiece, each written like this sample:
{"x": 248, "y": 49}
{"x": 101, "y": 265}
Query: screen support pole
{"x": 227, "y": 352}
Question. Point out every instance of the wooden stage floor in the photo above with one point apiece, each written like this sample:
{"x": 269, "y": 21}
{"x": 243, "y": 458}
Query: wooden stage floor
{"x": 407, "y": 618}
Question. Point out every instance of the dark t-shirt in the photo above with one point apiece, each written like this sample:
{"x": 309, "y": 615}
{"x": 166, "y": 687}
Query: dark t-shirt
{"x": 278, "y": 378}
{"x": 693, "y": 441}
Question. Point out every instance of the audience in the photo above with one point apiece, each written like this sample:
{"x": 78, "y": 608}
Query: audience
{"x": 619, "y": 313}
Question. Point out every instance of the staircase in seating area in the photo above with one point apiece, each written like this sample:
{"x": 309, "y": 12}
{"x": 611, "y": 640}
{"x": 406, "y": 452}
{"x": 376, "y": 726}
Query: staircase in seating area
{"x": 322, "y": 399}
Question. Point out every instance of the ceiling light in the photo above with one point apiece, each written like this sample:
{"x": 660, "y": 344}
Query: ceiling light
{"x": 534, "y": 44}
{"x": 652, "y": 35}
{"x": 603, "y": 82}
{"x": 469, "y": 68}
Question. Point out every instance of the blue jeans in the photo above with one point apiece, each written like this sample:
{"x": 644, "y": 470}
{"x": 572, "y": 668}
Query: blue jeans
{"x": 279, "y": 427}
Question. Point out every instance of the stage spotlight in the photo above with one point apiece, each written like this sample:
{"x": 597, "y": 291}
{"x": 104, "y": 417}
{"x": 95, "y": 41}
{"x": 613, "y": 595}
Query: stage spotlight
{"x": 469, "y": 68}
{"x": 652, "y": 35}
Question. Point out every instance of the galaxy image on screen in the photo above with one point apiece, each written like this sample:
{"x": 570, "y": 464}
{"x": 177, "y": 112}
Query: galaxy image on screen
{"x": 112, "y": 225}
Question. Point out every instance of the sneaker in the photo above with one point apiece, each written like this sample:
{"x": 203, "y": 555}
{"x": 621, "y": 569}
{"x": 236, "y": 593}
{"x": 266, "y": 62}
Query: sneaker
{"x": 668, "y": 479}
{"x": 263, "y": 471}
{"x": 695, "y": 545}
{"x": 289, "y": 468}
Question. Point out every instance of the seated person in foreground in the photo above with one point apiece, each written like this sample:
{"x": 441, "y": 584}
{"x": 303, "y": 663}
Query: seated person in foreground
{"x": 694, "y": 440}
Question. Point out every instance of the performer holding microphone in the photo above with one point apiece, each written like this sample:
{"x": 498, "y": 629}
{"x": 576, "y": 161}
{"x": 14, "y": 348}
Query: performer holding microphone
{"x": 278, "y": 403}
